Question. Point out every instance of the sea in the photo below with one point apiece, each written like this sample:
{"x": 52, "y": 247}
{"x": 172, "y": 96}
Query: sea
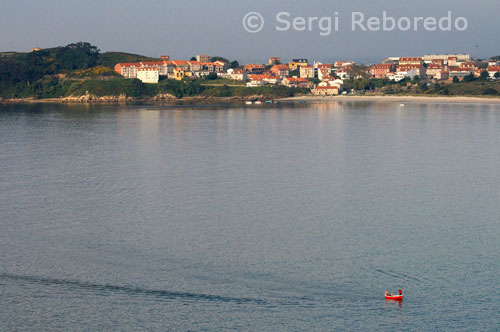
{"x": 295, "y": 216}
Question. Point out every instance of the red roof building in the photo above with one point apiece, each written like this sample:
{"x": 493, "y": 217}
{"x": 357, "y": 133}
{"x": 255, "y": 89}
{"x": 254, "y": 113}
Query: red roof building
{"x": 381, "y": 70}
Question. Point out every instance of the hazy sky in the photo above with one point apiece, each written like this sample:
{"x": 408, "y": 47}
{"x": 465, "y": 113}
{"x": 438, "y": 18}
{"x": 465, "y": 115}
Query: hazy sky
{"x": 183, "y": 28}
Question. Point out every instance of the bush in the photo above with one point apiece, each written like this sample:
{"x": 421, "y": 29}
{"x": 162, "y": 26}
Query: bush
{"x": 128, "y": 87}
{"x": 490, "y": 92}
{"x": 212, "y": 76}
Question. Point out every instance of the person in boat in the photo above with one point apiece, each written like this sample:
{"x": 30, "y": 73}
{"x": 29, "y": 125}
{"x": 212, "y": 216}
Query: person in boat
{"x": 400, "y": 292}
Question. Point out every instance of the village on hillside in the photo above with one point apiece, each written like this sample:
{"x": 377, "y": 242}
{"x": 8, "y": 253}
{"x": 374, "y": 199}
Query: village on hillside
{"x": 322, "y": 79}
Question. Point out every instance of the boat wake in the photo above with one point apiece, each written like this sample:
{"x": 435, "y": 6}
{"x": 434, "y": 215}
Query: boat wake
{"x": 134, "y": 291}
{"x": 400, "y": 276}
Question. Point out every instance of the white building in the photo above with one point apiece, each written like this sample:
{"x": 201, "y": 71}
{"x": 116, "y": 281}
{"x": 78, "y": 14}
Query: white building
{"x": 238, "y": 74}
{"x": 460, "y": 57}
{"x": 148, "y": 75}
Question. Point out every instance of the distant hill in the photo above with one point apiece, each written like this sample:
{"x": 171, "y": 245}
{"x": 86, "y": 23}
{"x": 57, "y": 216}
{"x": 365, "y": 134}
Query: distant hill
{"x": 110, "y": 59}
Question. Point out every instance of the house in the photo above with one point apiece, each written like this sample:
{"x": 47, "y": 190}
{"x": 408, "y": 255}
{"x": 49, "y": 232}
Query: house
{"x": 297, "y": 82}
{"x": 195, "y": 66}
{"x": 343, "y": 64}
{"x": 256, "y": 80}
{"x": 344, "y": 74}
{"x": 411, "y": 71}
{"x": 433, "y": 69}
{"x": 266, "y": 79}
{"x": 127, "y": 70}
{"x": 280, "y": 70}
{"x": 381, "y": 70}
{"x": 326, "y": 91}
{"x": 220, "y": 67}
{"x": 179, "y": 73}
{"x": 238, "y": 74}
{"x": 492, "y": 70}
{"x": 460, "y": 73}
{"x": 182, "y": 64}
{"x": 438, "y": 62}
{"x": 333, "y": 82}
{"x": 162, "y": 66}
{"x": 297, "y": 63}
{"x": 36, "y": 49}
{"x": 203, "y": 58}
{"x": 452, "y": 61}
{"x": 470, "y": 65}
{"x": 493, "y": 63}
{"x": 274, "y": 61}
{"x": 414, "y": 61}
{"x": 478, "y": 72}
{"x": 442, "y": 75}
{"x": 208, "y": 67}
{"x": 324, "y": 70}
{"x": 307, "y": 72}
{"x": 148, "y": 75}
{"x": 254, "y": 68}
{"x": 165, "y": 57}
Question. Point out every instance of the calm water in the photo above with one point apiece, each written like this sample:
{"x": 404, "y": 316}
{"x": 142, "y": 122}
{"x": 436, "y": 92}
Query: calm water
{"x": 292, "y": 218}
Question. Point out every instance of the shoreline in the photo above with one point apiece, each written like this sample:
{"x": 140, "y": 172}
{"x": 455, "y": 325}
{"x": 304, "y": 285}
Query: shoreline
{"x": 410, "y": 99}
{"x": 233, "y": 100}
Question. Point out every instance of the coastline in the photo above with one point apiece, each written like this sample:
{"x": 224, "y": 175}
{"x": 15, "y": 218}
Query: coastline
{"x": 162, "y": 99}
{"x": 123, "y": 100}
{"x": 409, "y": 99}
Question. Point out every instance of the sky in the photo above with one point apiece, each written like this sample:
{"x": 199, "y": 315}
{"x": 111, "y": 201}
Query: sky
{"x": 184, "y": 28}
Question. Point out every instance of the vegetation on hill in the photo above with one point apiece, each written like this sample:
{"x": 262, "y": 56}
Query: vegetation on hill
{"x": 110, "y": 59}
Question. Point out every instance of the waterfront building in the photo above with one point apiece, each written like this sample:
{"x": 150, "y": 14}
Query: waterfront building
{"x": 326, "y": 91}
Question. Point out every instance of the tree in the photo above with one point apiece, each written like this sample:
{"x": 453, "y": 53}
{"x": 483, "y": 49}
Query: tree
{"x": 455, "y": 79}
{"x": 212, "y": 76}
{"x": 484, "y": 75}
{"x": 219, "y": 58}
{"x": 234, "y": 64}
{"x": 446, "y": 91}
{"x": 469, "y": 78}
{"x": 497, "y": 75}
{"x": 295, "y": 72}
{"x": 193, "y": 58}
{"x": 490, "y": 91}
{"x": 77, "y": 56}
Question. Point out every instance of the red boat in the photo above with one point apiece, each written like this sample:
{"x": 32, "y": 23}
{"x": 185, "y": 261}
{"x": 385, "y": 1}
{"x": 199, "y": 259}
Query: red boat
{"x": 398, "y": 297}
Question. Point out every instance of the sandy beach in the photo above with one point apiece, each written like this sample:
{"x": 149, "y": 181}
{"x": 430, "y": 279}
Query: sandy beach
{"x": 401, "y": 99}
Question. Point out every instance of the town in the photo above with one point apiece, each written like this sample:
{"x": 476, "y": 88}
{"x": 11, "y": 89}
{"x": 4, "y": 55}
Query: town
{"x": 78, "y": 72}
{"x": 323, "y": 79}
